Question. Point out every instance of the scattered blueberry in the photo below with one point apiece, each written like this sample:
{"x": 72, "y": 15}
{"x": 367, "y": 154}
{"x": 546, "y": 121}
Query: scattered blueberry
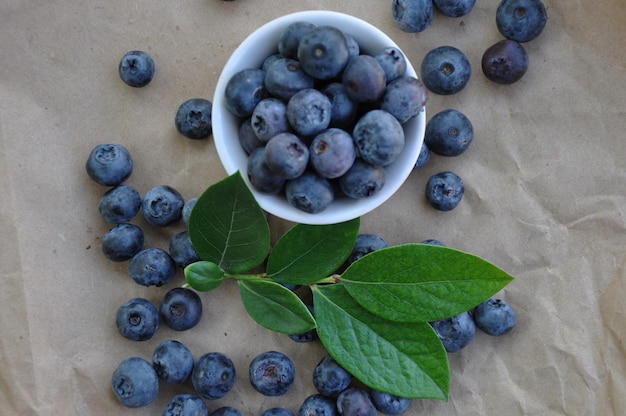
{"x": 433, "y": 242}
{"x": 272, "y": 373}
{"x": 364, "y": 79}
{"x": 521, "y": 20}
{"x": 362, "y": 180}
{"x": 260, "y": 175}
{"x": 423, "y": 157}
{"x": 162, "y": 206}
{"x": 244, "y": 90}
{"x": 181, "y": 309}
{"x": 187, "y": 208}
{"x": 390, "y": 404}
{"x": 193, "y": 118}
{"x": 454, "y": 8}
{"x": 269, "y": 118}
{"x": 379, "y": 137}
{"x": 444, "y": 190}
{"x": 455, "y": 332}
{"x": 404, "y": 98}
{"x": 186, "y": 404}
{"x": 226, "y": 411}
{"x": 213, "y": 375}
{"x": 136, "y": 68}
{"x": 181, "y": 250}
{"x": 152, "y": 266}
{"x": 505, "y": 62}
{"x": 286, "y": 155}
{"x": 412, "y": 15}
{"x": 392, "y": 61}
{"x": 137, "y": 319}
{"x": 323, "y": 52}
{"x": 332, "y": 153}
{"x": 286, "y": 77}
{"x": 495, "y": 317}
{"x": 172, "y": 361}
{"x": 308, "y": 336}
{"x": 122, "y": 242}
{"x": 318, "y": 405}
{"x": 309, "y": 193}
{"x": 330, "y": 378}
{"x": 365, "y": 244}
{"x": 290, "y": 38}
{"x": 449, "y": 133}
{"x": 109, "y": 164}
{"x": 135, "y": 383}
{"x": 445, "y": 70}
{"x": 355, "y": 401}
{"x": 276, "y": 411}
{"x": 119, "y": 204}
{"x": 343, "y": 110}
{"x": 308, "y": 112}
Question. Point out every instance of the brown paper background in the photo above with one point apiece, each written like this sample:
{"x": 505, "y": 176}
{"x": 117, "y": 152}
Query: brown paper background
{"x": 545, "y": 200}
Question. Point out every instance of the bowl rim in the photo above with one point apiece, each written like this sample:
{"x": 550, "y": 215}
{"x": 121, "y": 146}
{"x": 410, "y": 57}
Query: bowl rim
{"x": 343, "y": 208}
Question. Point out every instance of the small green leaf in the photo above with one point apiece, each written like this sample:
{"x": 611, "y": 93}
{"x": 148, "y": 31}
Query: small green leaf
{"x": 275, "y": 307}
{"x": 204, "y": 275}
{"x": 421, "y": 282}
{"x": 228, "y": 227}
{"x": 405, "y": 359}
{"x": 307, "y": 253}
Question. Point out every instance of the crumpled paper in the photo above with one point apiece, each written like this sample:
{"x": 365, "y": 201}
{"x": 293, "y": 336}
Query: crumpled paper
{"x": 545, "y": 201}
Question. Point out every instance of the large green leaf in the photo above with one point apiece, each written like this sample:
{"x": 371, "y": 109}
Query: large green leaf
{"x": 204, "y": 275}
{"x": 405, "y": 359}
{"x": 275, "y": 307}
{"x": 307, "y": 253}
{"x": 421, "y": 282}
{"x": 228, "y": 227}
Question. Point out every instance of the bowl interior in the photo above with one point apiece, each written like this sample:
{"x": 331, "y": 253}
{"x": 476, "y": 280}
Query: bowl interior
{"x": 251, "y": 53}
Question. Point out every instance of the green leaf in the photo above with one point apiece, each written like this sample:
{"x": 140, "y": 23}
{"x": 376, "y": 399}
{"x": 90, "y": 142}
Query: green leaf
{"x": 275, "y": 307}
{"x": 307, "y": 253}
{"x": 204, "y": 275}
{"x": 421, "y": 282}
{"x": 405, "y": 359}
{"x": 228, "y": 227}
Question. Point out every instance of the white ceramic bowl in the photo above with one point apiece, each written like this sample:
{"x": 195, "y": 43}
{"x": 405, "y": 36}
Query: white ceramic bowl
{"x": 250, "y": 54}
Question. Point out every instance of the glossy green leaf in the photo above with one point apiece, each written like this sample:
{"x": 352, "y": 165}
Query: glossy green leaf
{"x": 275, "y": 307}
{"x": 204, "y": 275}
{"x": 421, "y": 282}
{"x": 307, "y": 253}
{"x": 405, "y": 359}
{"x": 228, "y": 227}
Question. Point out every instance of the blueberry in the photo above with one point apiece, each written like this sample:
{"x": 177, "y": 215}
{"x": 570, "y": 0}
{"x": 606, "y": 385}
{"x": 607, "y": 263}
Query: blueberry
{"x": 423, "y": 157}
{"x": 521, "y": 20}
{"x": 404, "y": 98}
{"x": 433, "y": 242}
{"x": 136, "y": 68}
{"x": 390, "y": 404}
{"x": 308, "y": 112}
{"x": 109, "y": 164}
{"x": 272, "y": 373}
{"x": 495, "y": 317}
{"x": 213, "y": 375}
{"x": 445, "y": 70}
{"x": 286, "y": 155}
{"x": 122, "y": 242}
{"x": 330, "y": 378}
{"x": 505, "y": 62}
{"x": 455, "y": 332}
{"x": 308, "y": 336}
{"x": 181, "y": 250}
{"x": 119, "y": 204}
{"x": 412, "y": 15}
{"x": 172, "y": 361}
{"x": 259, "y": 174}
{"x": 354, "y": 49}
{"x": 269, "y": 118}
{"x": 276, "y": 411}
{"x": 365, "y": 244}
{"x": 309, "y": 193}
{"x": 162, "y": 206}
{"x": 181, "y": 309}
{"x": 444, "y": 190}
{"x": 392, "y": 61}
{"x": 362, "y": 180}
{"x": 343, "y": 110}
{"x": 135, "y": 383}
{"x": 137, "y": 319}
{"x": 187, "y": 208}
{"x": 271, "y": 59}
{"x": 454, "y": 8}
{"x": 186, "y": 404}
{"x": 449, "y": 133}
{"x": 226, "y": 411}
{"x": 355, "y": 401}
{"x": 290, "y": 38}
{"x": 379, "y": 137}
{"x": 152, "y": 267}
{"x": 286, "y": 77}
{"x": 332, "y": 153}
{"x": 323, "y": 52}
{"x": 247, "y": 137}
{"x": 244, "y": 90}
{"x": 193, "y": 118}
{"x": 364, "y": 79}
{"x": 318, "y": 405}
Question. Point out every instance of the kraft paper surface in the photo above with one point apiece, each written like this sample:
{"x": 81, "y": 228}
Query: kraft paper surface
{"x": 545, "y": 200}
